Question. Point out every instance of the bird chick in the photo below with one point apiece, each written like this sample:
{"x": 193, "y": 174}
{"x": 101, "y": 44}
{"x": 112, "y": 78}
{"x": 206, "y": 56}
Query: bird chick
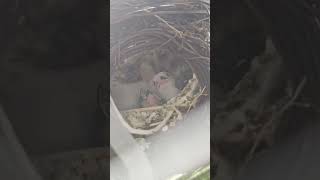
{"x": 127, "y": 95}
{"x": 146, "y": 71}
{"x": 148, "y": 64}
{"x": 165, "y": 85}
{"x": 150, "y": 99}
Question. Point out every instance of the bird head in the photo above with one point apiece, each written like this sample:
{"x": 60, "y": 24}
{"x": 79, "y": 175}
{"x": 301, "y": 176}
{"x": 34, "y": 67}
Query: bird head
{"x": 162, "y": 79}
{"x": 164, "y": 84}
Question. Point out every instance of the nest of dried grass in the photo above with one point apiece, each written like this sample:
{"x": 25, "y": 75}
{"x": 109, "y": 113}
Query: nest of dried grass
{"x": 146, "y": 121}
{"x": 176, "y": 27}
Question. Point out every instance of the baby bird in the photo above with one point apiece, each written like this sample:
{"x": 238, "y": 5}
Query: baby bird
{"x": 126, "y": 95}
{"x": 149, "y": 99}
{"x": 146, "y": 71}
{"x": 165, "y": 85}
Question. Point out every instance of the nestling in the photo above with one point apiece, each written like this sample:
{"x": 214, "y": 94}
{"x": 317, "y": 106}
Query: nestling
{"x": 146, "y": 71}
{"x": 165, "y": 85}
{"x": 149, "y": 99}
{"x": 126, "y": 95}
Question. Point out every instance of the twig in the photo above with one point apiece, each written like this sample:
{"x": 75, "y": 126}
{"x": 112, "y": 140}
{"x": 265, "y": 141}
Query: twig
{"x": 296, "y": 94}
{"x": 154, "y": 124}
{"x": 194, "y": 101}
{"x": 199, "y": 57}
{"x": 179, "y": 113}
{"x": 150, "y": 117}
{"x": 167, "y": 41}
{"x": 195, "y": 22}
{"x": 192, "y": 49}
{"x": 152, "y": 108}
{"x": 164, "y": 21}
{"x": 276, "y": 116}
{"x": 149, "y": 131}
{"x": 119, "y": 52}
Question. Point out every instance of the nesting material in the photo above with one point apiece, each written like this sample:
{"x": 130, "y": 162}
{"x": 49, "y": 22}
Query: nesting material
{"x": 177, "y": 33}
{"x": 152, "y": 119}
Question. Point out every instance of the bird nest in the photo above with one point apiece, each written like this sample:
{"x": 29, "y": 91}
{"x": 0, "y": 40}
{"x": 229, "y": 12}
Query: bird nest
{"x": 166, "y": 28}
{"x": 181, "y": 27}
{"x": 146, "y": 121}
